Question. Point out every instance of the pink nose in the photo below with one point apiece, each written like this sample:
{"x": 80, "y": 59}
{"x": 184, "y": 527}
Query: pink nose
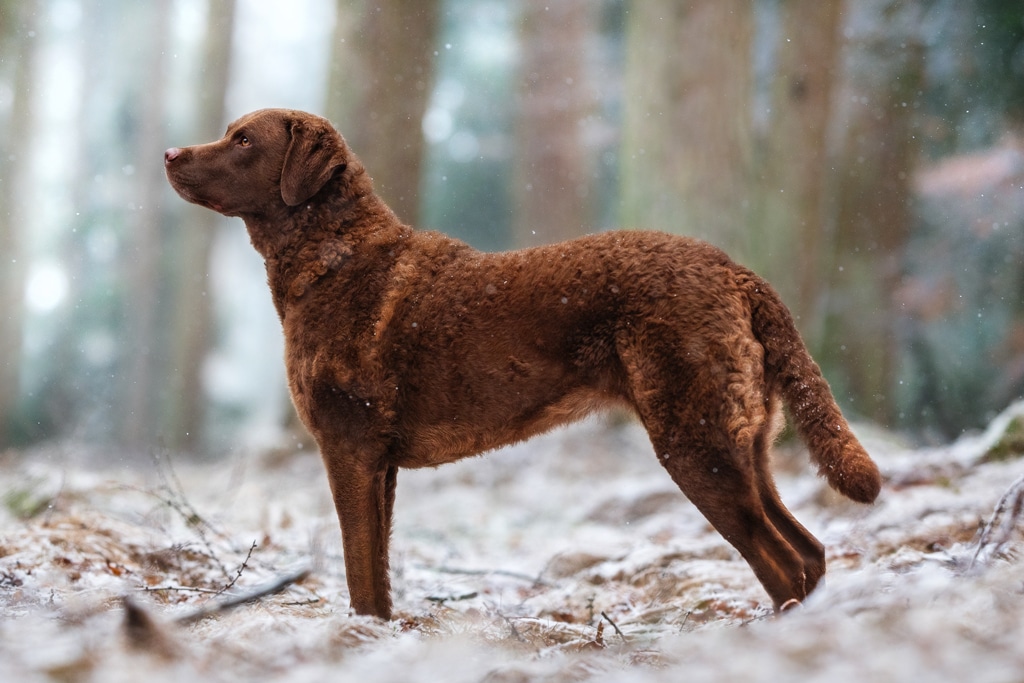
{"x": 171, "y": 154}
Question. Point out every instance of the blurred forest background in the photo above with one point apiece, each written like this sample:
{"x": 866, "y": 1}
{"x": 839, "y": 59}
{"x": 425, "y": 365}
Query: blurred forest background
{"x": 867, "y": 157}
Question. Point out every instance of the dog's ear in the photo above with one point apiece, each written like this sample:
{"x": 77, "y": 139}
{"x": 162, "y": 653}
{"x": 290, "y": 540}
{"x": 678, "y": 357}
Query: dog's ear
{"x": 316, "y": 150}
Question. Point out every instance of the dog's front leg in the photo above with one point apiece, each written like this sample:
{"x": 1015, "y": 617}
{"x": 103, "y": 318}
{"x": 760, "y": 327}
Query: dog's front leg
{"x": 364, "y": 498}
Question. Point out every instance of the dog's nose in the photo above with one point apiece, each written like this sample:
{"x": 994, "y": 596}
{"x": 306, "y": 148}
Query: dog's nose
{"x": 171, "y": 154}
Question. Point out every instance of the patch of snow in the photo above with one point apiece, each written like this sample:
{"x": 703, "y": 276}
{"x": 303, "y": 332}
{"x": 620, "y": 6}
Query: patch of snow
{"x": 569, "y": 557}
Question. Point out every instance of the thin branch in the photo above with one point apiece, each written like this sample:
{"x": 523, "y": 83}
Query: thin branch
{"x": 514, "y": 632}
{"x": 441, "y": 599}
{"x": 301, "y": 603}
{"x": 1009, "y": 510}
{"x": 176, "y": 499}
{"x": 275, "y": 586}
{"x": 181, "y": 589}
{"x": 238, "y": 573}
{"x": 614, "y": 625}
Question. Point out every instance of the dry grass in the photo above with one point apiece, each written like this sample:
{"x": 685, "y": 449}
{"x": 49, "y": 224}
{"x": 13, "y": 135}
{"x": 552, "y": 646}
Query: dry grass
{"x": 569, "y": 558}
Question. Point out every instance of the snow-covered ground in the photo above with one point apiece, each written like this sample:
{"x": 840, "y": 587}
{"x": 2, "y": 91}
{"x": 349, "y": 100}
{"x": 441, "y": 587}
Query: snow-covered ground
{"x": 571, "y": 557}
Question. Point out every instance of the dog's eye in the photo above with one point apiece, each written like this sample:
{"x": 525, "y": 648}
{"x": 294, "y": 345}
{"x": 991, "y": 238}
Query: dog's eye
{"x": 243, "y": 140}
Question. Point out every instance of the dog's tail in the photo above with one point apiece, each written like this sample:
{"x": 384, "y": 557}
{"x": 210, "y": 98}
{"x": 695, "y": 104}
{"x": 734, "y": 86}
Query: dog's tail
{"x": 790, "y": 370}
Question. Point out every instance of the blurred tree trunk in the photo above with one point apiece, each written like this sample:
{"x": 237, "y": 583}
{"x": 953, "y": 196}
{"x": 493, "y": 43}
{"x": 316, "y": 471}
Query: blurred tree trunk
{"x": 193, "y": 311}
{"x": 83, "y": 361}
{"x": 380, "y": 80}
{"x": 790, "y": 232}
{"x": 18, "y": 48}
{"x": 884, "y": 76}
{"x": 686, "y": 156}
{"x": 143, "y": 384}
{"x": 551, "y": 162}
{"x": 87, "y": 377}
{"x": 347, "y": 70}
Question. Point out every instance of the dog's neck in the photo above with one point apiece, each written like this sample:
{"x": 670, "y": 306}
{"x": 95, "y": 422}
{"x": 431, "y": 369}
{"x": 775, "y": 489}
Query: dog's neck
{"x": 281, "y": 230}
{"x": 345, "y": 222}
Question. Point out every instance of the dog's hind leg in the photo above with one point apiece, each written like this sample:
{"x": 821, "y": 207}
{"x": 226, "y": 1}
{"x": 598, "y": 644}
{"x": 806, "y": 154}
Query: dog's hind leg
{"x": 364, "y": 499}
{"x": 728, "y": 497}
{"x": 810, "y": 549}
{"x": 703, "y": 419}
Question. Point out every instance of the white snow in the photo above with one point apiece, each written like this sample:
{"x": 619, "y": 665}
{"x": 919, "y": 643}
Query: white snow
{"x": 525, "y": 564}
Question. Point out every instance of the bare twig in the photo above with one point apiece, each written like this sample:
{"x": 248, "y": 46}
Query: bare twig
{"x": 301, "y": 603}
{"x": 172, "y": 494}
{"x": 441, "y": 599}
{"x": 172, "y": 485}
{"x": 174, "y": 497}
{"x": 238, "y": 573}
{"x": 271, "y": 588}
{"x": 513, "y": 630}
{"x": 686, "y": 618}
{"x": 997, "y": 532}
{"x": 614, "y": 625}
{"x": 181, "y": 589}
{"x": 184, "y": 509}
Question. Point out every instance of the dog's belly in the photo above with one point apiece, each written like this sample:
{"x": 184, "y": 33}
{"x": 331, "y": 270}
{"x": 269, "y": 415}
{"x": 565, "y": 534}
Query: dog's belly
{"x": 432, "y": 442}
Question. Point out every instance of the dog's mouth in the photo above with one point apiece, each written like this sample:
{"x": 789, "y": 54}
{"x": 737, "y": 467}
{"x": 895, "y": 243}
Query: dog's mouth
{"x": 213, "y": 206}
{"x": 210, "y": 205}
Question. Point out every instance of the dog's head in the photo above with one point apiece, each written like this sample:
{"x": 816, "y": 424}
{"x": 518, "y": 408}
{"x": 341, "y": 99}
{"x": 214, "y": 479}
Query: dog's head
{"x": 267, "y": 160}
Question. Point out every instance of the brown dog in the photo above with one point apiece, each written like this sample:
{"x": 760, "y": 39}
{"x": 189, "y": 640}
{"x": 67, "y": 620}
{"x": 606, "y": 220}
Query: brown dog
{"x": 411, "y": 349}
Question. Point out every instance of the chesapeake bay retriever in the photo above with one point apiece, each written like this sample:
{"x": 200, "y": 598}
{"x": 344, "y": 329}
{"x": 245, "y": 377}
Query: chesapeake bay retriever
{"x": 407, "y": 348}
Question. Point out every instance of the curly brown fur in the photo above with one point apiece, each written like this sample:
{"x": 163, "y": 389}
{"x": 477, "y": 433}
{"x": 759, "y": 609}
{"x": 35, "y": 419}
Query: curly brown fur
{"x": 408, "y": 348}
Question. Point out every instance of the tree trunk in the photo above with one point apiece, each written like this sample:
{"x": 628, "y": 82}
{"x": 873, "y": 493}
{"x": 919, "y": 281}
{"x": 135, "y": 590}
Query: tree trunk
{"x": 347, "y": 69}
{"x": 790, "y": 230}
{"x": 393, "y": 46}
{"x": 18, "y": 47}
{"x": 142, "y": 385}
{"x": 873, "y": 204}
{"x": 551, "y": 165}
{"x": 193, "y": 311}
{"x": 686, "y": 157}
